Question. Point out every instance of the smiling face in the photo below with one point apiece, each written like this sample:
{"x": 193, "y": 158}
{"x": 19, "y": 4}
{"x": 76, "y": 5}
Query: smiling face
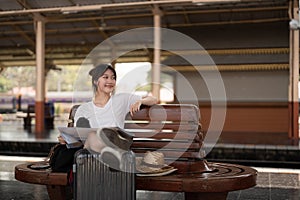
{"x": 107, "y": 82}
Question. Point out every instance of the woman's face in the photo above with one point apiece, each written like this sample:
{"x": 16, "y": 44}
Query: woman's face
{"x": 107, "y": 82}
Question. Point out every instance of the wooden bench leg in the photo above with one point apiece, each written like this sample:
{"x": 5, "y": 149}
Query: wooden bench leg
{"x": 58, "y": 192}
{"x": 27, "y": 122}
{"x": 205, "y": 195}
{"x": 49, "y": 123}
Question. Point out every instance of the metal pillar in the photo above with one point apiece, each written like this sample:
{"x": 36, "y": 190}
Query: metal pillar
{"x": 294, "y": 78}
{"x": 40, "y": 78}
{"x": 157, "y": 47}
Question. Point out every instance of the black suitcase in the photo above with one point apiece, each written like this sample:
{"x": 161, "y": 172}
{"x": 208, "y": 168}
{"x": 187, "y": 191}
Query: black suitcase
{"x": 96, "y": 180}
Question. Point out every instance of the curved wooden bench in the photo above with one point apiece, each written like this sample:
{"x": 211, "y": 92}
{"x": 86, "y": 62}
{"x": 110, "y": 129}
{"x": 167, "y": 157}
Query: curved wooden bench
{"x": 175, "y": 131}
{"x": 209, "y": 185}
{"x": 56, "y": 182}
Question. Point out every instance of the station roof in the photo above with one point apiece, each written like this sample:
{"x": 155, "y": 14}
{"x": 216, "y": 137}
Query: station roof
{"x": 75, "y": 27}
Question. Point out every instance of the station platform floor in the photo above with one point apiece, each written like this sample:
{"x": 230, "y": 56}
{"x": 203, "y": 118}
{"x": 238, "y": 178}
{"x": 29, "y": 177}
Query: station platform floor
{"x": 275, "y": 181}
{"x": 272, "y": 184}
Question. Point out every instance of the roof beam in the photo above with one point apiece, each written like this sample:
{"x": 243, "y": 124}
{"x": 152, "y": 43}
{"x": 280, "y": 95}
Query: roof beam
{"x": 21, "y": 32}
{"x": 67, "y": 9}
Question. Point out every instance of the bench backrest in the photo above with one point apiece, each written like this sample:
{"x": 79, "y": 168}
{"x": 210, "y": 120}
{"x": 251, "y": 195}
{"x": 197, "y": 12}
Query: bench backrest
{"x": 172, "y": 129}
{"x": 72, "y": 115}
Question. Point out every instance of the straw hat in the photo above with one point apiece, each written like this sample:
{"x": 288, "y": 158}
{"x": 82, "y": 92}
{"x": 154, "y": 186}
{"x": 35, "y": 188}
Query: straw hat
{"x": 152, "y": 162}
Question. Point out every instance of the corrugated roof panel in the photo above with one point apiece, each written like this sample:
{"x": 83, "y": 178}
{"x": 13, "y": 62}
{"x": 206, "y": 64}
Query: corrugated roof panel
{"x": 91, "y": 2}
{"x": 59, "y": 27}
{"x": 6, "y": 29}
{"x": 6, "y": 42}
{"x": 20, "y": 41}
{"x": 9, "y": 5}
{"x": 48, "y": 4}
{"x": 96, "y": 2}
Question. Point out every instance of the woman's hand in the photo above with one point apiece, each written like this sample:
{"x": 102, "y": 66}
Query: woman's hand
{"x": 135, "y": 107}
{"x": 61, "y": 140}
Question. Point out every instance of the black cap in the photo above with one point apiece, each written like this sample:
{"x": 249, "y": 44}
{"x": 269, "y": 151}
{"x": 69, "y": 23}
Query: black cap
{"x": 98, "y": 71}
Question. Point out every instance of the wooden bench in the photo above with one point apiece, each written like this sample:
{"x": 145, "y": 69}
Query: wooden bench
{"x": 30, "y": 114}
{"x": 175, "y": 131}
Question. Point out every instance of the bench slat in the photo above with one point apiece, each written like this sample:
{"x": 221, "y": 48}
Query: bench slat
{"x": 172, "y": 112}
{"x": 171, "y": 155}
{"x": 173, "y": 135}
{"x": 167, "y": 145}
{"x": 162, "y": 126}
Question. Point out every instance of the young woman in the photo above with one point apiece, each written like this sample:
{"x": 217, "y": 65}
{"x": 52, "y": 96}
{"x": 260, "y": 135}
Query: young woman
{"x": 107, "y": 109}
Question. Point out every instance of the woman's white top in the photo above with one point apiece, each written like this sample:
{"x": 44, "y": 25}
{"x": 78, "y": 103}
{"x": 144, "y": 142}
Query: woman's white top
{"x": 111, "y": 115}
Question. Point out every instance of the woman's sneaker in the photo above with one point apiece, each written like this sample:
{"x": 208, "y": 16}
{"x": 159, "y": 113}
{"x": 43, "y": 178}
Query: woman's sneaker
{"x": 116, "y": 138}
{"x": 112, "y": 158}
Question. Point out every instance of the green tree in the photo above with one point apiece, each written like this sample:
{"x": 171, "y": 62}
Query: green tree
{"x": 63, "y": 80}
{"x": 17, "y": 77}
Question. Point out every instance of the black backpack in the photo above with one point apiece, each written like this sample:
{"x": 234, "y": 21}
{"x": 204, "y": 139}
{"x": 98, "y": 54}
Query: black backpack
{"x": 62, "y": 158}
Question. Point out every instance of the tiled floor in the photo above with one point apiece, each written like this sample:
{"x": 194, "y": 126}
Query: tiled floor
{"x": 272, "y": 183}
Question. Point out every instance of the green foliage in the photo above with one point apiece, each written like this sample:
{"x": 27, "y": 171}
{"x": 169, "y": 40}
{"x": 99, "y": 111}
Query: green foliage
{"x": 17, "y": 77}
{"x": 4, "y": 84}
{"x": 62, "y": 80}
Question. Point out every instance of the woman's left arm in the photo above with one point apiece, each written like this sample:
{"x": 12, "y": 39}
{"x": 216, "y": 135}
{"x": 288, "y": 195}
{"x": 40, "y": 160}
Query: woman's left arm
{"x": 148, "y": 100}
